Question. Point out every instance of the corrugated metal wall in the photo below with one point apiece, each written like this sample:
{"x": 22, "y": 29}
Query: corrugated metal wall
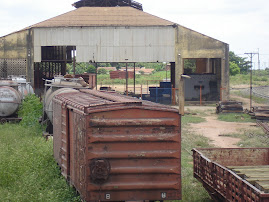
{"x": 111, "y": 44}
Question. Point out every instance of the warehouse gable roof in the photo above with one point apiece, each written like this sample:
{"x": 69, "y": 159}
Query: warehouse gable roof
{"x": 104, "y": 16}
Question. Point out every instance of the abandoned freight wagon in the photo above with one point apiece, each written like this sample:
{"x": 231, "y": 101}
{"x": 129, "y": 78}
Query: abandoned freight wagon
{"x": 239, "y": 174}
{"x": 117, "y": 148}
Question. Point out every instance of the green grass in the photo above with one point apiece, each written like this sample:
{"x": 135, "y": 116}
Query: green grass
{"x": 246, "y": 95}
{"x": 189, "y": 118}
{"x": 259, "y": 78}
{"x": 251, "y": 138}
{"x": 235, "y": 117}
{"x": 31, "y": 111}
{"x": 28, "y": 171}
{"x": 192, "y": 189}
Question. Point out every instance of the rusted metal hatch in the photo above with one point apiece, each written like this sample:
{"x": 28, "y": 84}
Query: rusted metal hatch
{"x": 117, "y": 148}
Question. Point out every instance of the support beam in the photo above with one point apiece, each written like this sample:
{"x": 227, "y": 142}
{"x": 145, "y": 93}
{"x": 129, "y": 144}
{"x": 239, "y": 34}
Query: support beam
{"x": 134, "y": 78}
{"x": 96, "y": 66}
{"x": 74, "y": 61}
{"x": 126, "y": 78}
{"x": 173, "y": 74}
{"x": 181, "y": 96}
{"x": 208, "y": 65}
{"x": 225, "y": 75}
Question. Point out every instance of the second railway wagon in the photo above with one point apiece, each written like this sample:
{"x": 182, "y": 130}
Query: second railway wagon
{"x": 233, "y": 174}
{"x": 115, "y": 148}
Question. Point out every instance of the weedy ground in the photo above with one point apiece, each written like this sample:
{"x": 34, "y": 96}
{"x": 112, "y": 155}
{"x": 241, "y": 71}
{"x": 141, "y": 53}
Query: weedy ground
{"x": 28, "y": 171}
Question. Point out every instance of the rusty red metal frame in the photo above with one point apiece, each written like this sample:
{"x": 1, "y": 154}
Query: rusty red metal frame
{"x": 223, "y": 184}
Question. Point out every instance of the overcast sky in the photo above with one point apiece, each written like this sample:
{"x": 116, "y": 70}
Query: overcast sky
{"x": 244, "y": 25}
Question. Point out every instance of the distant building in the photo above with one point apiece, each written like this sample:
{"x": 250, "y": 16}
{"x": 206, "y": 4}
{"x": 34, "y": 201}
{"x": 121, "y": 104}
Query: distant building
{"x": 121, "y": 75}
{"x": 138, "y": 70}
{"x": 119, "y": 35}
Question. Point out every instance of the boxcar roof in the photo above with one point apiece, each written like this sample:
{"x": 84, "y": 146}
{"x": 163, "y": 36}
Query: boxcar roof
{"x": 90, "y": 101}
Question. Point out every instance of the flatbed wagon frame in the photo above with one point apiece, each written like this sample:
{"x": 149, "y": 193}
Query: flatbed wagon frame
{"x": 210, "y": 168}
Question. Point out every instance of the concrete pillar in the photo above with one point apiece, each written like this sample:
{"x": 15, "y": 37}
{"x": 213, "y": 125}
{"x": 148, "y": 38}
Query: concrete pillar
{"x": 179, "y": 72}
{"x": 30, "y": 58}
{"x": 173, "y": 74}
{"x": 207, "y": 65}
{"x": 225, "y": 87}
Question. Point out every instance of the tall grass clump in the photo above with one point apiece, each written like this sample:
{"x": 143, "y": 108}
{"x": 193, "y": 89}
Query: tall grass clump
{"x": 30, "y": 111}
{"x": 28, "y": 171}
{"x": 192, "y": 190}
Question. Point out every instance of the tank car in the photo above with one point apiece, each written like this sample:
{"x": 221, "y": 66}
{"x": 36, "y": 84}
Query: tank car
{"x": 24, "y": 87}
{"x": 10, "y": 100}
{"x": 56, "y": 86}
{"x": 12, "y": 91}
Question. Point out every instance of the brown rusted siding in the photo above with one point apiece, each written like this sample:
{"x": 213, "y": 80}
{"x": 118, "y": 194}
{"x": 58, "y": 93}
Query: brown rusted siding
{"x": 138, "y": 141}
{"x": 210, "y": 167}
{"x": 143, "y": 148}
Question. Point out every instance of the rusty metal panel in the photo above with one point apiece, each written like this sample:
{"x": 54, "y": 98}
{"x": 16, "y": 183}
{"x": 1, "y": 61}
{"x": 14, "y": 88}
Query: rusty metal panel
{"x": 144, "y": 154}
{"x": 57, "y": 122}
{"x": 78, "y": 152}
{"x": 111, "y": 44}
{"x": 122, "y": 148}
{"x": 210, "y": 167}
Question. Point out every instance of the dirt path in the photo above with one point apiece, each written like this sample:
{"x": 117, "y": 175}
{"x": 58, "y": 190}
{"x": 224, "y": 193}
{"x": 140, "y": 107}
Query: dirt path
{"x": 215, "y": 129}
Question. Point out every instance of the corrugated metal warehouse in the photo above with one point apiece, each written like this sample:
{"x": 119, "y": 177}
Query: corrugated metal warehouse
{"x": 116, "y": 34}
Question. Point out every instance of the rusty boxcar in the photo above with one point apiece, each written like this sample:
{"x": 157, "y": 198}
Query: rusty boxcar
{"x": 233, "y": 174}
{"x": 116, "y": 148}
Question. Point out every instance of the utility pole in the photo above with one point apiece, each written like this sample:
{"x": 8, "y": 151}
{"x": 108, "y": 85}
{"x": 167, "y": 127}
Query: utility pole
{"x": 250, "y": 91}
{"x": 259, "y": 59}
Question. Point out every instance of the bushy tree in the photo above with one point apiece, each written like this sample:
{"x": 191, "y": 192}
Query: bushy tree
{"x": 102, "y": 71}
{"x": 234, "y": 69}
{"x": 241, "y": 62}
{"x": 81, "y": 68}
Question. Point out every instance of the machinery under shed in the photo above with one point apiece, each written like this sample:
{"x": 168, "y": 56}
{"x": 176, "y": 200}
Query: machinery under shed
{"x": 117, "y": 31}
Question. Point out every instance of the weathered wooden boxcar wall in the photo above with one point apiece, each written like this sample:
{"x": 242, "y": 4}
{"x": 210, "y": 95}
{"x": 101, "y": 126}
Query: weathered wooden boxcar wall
{"x": 193, "y": 45}
{"x": 13, "y": 54}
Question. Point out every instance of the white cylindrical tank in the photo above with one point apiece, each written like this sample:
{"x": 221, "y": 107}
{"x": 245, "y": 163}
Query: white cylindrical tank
{"x": 10, "y": 98}
{"x": 49, "y": 97}
{"x": 24, "y": 87}
{"x": 60, "y": 85}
